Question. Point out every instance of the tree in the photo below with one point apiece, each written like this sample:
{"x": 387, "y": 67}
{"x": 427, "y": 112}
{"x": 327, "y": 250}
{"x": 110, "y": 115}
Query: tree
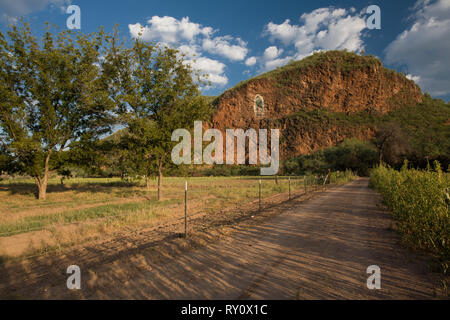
{"x": 392, "y": 143}
{"x": 157, "y": 94}
{"x": 5, "y": 159}
{"x": 53, "y": 93}
{"x": 356, "y": 155}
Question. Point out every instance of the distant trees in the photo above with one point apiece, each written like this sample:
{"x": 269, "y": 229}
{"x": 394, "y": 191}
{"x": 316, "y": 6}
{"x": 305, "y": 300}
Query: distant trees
{"x": 53, "y": 92}
{"x": 356, "y": 155}
{"x": 427, "y": 128}
{"x": 392, "y": 143}
{"x": 5, "y": 159}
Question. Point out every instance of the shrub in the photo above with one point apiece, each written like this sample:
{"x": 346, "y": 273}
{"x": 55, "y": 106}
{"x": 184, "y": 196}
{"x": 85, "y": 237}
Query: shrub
{"x": 419, "y": 202}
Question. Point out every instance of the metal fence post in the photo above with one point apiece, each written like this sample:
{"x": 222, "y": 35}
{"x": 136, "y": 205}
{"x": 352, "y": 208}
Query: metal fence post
{"x": 289, "y": 188}
{"x": 304, "y": 182}
{"x": 259, "y": 194}
{"x": 185, "y": 209}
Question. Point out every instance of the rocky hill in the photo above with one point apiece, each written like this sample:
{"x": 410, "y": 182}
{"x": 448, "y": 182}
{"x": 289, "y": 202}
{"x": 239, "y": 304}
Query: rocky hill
{"x": 318, "y": 101}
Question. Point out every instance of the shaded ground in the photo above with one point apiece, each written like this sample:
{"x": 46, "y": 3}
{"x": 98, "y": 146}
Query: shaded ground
{"x": 318, "y": 248}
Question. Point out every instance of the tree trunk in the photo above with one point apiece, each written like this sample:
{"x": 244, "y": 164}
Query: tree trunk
{"x": 160, "y": 176}
{"x": 43, "y": 182}
{"x": 42, "y": 186}
{"x": 147, "y": 182}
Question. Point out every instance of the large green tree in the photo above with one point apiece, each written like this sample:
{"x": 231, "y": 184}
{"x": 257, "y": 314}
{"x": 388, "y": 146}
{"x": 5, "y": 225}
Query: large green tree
{"x": 53, "y": 93}
{"x": 158, "y": 92}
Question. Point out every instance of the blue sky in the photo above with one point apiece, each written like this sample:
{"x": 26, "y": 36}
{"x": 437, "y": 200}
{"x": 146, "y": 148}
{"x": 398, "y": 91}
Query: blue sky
{"x": 234, "y": 40}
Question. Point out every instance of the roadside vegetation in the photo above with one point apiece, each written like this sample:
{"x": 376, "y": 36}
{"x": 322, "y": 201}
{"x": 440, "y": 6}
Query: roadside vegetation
{"x": 419, "y": 201}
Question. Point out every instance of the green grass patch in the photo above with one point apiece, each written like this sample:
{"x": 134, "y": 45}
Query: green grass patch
{"x": 119, "y": 212}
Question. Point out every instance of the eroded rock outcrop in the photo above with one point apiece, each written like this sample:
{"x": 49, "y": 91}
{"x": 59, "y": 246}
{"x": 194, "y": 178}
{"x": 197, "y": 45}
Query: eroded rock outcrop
{"x": 334, "y": 81}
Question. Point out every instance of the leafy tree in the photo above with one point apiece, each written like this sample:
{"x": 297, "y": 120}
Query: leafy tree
{"x": 392, "y": 143}
{"x": 5, "y": 159}
{"x": 358, "y": 156}
{"x": 53, "y": 93}
{"x": 157, "y": 94}
{"x": 427, "y": 127}
{"x": 119, "y": 159}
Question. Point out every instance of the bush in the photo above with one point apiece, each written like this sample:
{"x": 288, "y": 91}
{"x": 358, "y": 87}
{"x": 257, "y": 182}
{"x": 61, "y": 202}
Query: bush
{"x": 352, "y": 154}
{"x": 419, "y": 202}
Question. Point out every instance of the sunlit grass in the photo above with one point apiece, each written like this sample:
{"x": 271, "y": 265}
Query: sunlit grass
{"x": 419, "y": 201}
{"x": 86, "y": 209}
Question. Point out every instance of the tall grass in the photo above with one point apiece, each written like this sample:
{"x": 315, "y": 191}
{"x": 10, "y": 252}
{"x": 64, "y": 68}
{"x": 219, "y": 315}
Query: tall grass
{"x": 419, "y": 201}
{"x": 342, "y": 177}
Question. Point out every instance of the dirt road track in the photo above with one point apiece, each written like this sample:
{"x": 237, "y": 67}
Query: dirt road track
{"x": 314, "y": 249}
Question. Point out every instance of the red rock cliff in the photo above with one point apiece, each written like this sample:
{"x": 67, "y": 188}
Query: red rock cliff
{"x": 335, "y": 81}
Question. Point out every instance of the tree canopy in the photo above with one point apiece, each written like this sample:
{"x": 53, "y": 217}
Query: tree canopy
{"x": 53, "y": 92}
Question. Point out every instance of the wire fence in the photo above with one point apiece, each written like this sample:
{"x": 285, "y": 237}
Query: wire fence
{"x": 212, "y": 198}
{"x": 290, "y": 184}
{"x": 202, "y": 196}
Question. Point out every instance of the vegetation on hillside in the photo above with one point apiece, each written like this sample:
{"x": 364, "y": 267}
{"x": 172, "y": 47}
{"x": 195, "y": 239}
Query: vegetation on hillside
{"x": 351, "y": 154}
{"x": 339, "y": 59}
{"x": 419, "y": 133}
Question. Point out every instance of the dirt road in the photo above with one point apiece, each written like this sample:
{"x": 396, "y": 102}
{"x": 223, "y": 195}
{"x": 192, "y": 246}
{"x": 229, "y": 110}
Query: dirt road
{"x": 309, "y": 249}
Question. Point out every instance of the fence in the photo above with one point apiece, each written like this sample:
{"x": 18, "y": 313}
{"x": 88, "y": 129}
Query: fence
{"x": 110, "y": 205}
{"x": 292, "y": 185}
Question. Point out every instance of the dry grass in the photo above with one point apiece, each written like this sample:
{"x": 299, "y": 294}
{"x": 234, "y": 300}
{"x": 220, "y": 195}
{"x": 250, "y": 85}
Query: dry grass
{"x": 89, "y": 209}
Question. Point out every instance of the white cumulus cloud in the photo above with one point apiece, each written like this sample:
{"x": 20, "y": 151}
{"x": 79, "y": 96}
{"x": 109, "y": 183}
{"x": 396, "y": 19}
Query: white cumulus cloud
{"x": 195, "y": 42}
{"x": 322, "y": 29}
{"x": 424, "y": 47}
{"x": 168, "y": 29}
{"x": 16, "y": 8}
{"x": 250, "y": 61}
{"x": 222, "y": 46}
{"x": 272, "y": 53}
{"x": 211, "y": 70}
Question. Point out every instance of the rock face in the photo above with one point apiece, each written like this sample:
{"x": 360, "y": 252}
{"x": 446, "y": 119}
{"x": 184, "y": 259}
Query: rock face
{"x": 336, "y": 81}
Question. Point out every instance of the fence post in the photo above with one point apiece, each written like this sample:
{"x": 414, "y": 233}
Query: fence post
{"x": 259, "y": 194}
{"x": 304, "y": 182}
{"x": 185, "y": 209}
{"x": 289, "y": 188}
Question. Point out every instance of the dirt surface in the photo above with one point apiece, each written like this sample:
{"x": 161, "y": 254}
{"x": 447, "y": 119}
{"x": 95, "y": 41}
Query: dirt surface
{"x": 316, "y": 248}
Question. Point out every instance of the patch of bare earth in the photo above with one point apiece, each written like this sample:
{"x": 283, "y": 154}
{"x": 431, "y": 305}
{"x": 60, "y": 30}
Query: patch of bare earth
{"x": 313, "y": 247}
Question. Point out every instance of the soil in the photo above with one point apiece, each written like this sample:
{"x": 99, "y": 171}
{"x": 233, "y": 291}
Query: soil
{"x": 315, "y": 246}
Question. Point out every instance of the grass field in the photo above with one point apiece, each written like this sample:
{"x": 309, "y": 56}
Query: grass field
{"x": 88, "y": 209}
{"x": 85, "y": 209}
